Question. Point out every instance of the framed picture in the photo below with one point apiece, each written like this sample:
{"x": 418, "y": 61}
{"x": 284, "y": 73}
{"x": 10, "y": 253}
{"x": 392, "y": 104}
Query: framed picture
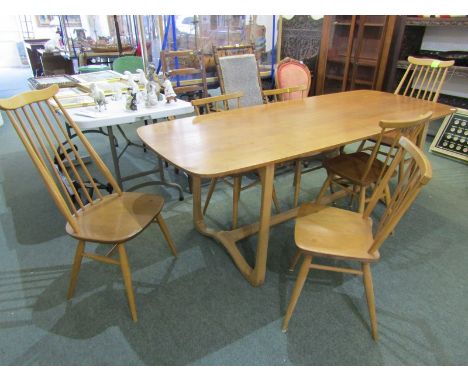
{"x": 44, "y": 20}
{"x": 73, "y": 20}
{"x": 62, "y": 80}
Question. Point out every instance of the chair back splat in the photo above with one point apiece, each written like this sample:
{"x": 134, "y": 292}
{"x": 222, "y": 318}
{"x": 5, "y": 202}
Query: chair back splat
{"x": 416, "y": 173}
{"x": 424, "y": 78}
{"x": 56, "y": 157}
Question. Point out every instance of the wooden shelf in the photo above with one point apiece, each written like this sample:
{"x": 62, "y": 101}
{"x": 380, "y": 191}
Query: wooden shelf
{"x": 347, "y": 23}
{"x": 458, "y": 71}
{"x": 436, "y": 21}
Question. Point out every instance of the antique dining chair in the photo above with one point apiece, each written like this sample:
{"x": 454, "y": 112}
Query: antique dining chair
{"x": 91, "y": 216}
{"x": 291, "y": 73}
{"x": 339, "y": 234}
{"x": 423, "y": 79}
{"x": 238, "y": 70}
{"x": 218, "y": 104}
{"x": 186, "y": 71}
{"x": 357, "y": 172}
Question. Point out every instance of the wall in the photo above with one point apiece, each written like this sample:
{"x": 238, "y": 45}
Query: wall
{"x": 10, "y": 35}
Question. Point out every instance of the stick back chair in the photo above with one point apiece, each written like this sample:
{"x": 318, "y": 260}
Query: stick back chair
{"x": 210, "y": 105}
{"x": 186, "y": 69}
{"x": 339, "y": 234}
{"x": 423, "y": 79}
{"x": 355, "y": 173}
{"x": 91, "y": 216}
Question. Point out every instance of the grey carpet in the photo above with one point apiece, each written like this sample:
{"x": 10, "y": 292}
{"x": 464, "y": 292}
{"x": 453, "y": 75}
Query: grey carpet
{"x": 198, "y": 310}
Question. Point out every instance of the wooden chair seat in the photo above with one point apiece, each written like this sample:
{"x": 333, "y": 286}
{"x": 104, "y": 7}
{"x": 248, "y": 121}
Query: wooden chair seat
{"x": 116, "y": 219}
{"x": 334, "y": 232}
{"x": 352, "y": 166}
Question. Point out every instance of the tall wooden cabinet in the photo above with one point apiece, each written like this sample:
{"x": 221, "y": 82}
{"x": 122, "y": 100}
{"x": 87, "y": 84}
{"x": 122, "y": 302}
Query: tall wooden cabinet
{"x": 354, "y": 52}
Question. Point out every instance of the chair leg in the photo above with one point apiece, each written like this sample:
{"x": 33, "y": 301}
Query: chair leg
{"x": 210, "y": 192}
{"x": 235, "y": 199}
{"x": 294, "y": 260}
{"x": 167, "y": 235}
{"x": 388, "y": 196}
{"x": 324, "y": 188}
{"x": 76, "y": 268}
{"x": 297, "y": 182}
{"x": 275, "y": 200}
{"x": 361, "y": 146}
{"x": 367, "y": 278}
{"x": 362, "y": 199}
{"x": 301, "y": 277}
{"x": 127, "y": 280}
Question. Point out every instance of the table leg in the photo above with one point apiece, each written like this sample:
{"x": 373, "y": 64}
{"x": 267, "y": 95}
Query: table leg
{"x": 115, "y": 157}
{"x": 228, "y": 239}
{"x": 256, "y": 275}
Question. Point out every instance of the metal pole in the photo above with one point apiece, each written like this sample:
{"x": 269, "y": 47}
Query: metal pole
{"x": 142, "y": 38}
{"x": 117, "y": 35}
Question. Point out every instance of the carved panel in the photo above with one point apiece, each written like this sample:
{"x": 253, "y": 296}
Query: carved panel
{"x": 301, "y": 40}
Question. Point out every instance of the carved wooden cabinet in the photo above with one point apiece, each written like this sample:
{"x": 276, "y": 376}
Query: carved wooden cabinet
{"x": 354, "y": 52}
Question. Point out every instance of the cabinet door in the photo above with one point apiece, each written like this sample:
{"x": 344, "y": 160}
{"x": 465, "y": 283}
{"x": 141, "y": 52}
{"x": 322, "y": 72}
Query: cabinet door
{"x": 339, "y": 50}
{"x": 367, "y": 52}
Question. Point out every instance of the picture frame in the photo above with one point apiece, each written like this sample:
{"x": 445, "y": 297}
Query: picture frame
{"x": 44, "y": 20}
{"x": 62, "y": 80}
{"x": 73, "y": 20}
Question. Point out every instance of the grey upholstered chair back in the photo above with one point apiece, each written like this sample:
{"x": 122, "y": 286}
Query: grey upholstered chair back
{"x": 240, "y": 73}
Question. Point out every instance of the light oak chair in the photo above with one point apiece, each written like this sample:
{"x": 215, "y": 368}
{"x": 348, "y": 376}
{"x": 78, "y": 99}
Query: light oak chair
{"x": 357, "y": 172}
{"x": 209, "y": 105}
{"x": 423, "y": 79}
{"x": 91, "y": 216}
{"x": 339, "y": 234}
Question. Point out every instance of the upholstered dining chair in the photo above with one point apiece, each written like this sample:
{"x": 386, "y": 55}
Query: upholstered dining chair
{"x": 357, "y": 172}
{"x": 217, "y": 104}
{"x": 91, "y": 216}
{"x": 338, "y": 234}
{"x": 291, "y": 73}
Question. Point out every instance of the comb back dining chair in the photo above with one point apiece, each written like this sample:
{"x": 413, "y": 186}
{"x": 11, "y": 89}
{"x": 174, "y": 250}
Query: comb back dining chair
{"x": 91, "y": 216}
{"x": 423, "y": 79}
{"x": 339, "y": 234}
{"x": 355, "y": 173}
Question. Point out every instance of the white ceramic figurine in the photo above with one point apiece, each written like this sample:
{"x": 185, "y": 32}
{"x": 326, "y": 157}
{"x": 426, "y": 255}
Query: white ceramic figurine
{"x": 98, "y": 96}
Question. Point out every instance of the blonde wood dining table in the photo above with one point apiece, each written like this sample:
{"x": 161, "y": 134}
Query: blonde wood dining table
{"x": 258, "y": 137}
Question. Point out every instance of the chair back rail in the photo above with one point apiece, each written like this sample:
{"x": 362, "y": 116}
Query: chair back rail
{"x": 209, "y": 104}
{"x": 276, "y": 95}
{"x": 44, "y": 136}
{"x": 424, "y": 78}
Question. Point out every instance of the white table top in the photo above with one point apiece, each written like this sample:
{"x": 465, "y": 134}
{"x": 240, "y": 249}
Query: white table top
{"x": 88, "y": 117}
